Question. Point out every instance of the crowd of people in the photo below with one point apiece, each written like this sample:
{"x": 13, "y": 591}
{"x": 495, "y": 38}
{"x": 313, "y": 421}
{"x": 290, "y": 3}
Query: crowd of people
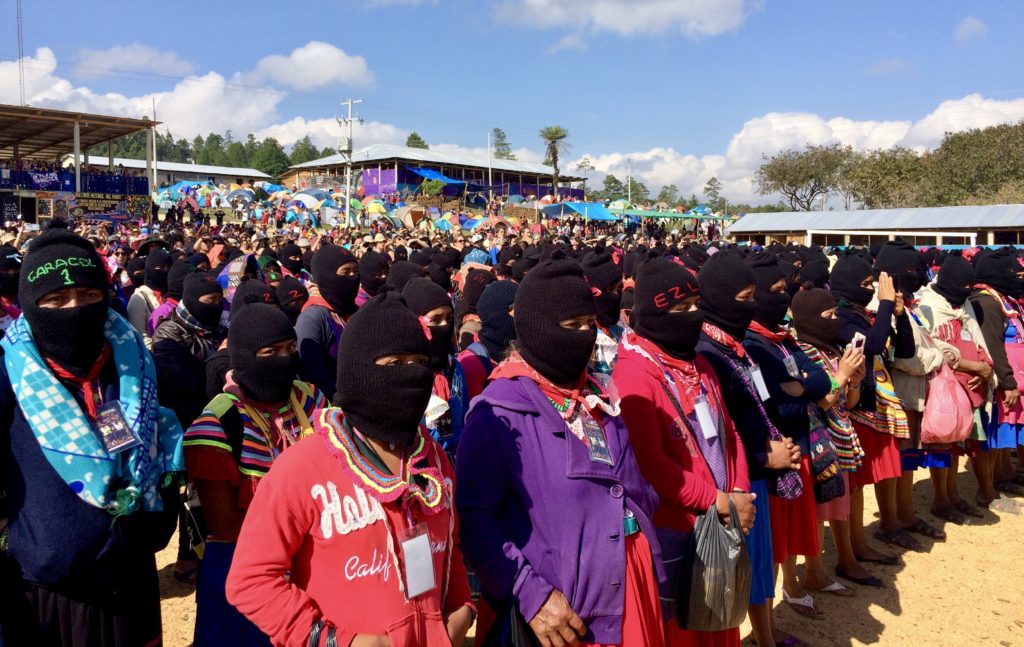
{"x": 384, "y": 439}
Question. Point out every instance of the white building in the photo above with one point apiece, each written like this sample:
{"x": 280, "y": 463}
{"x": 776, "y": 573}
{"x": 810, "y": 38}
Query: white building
{"x": 170, "y": 172}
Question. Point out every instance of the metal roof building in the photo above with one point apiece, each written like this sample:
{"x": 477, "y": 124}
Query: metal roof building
{"x": 1001, "y": 224}
{"x": 386, "y": 168}
{"x": 171, "y": 172}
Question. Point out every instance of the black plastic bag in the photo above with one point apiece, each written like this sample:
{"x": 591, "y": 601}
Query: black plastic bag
{"x": 714, "y": 583}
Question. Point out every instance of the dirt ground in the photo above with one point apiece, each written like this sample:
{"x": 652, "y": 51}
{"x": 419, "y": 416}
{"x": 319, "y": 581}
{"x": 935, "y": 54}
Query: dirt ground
{"x": 967, "y": 590}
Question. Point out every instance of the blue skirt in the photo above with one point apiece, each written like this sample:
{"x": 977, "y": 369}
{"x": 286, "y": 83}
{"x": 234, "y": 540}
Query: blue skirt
{"x": 759, "y": 546}
{"x": 1005, "y": 435}
{"x": 218, "y": 624}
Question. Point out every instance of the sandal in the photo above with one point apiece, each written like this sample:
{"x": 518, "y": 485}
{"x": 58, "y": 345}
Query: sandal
{"x": 871, "y": 580}
{"x": 189, "y": 576}
{"x": 899, "y": 538}
{"x": 790, "y": 641}
{"x": 885, "y": 560}
{"x": 919, "y": 527}
{"x": 804, "y": 606}
{"x": 952, "y": 515}
{"x": 968, "y": 509}
{"x": 1009, "y": 487}
{"x": 1003, "y": 504}
{"x": 1018, "y": 479}
{"x": 835, "y": 588}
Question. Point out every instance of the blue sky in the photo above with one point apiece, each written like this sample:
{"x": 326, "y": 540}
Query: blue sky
{"x": 685, "y": 89}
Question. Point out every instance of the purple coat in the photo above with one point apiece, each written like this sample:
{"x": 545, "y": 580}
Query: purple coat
{"x": 536, "y": 514}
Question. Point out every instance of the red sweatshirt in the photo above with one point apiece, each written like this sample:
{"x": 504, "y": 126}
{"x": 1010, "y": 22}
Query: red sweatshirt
{"x": 311, "y": 519}
{"x": 665, "y": 450}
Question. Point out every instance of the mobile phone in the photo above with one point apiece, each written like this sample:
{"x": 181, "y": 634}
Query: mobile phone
{"x": 858, "y": 341}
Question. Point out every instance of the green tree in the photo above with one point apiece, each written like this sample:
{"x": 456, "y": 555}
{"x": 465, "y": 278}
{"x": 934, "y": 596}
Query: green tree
{"x": 585, "y": 166}
{"x": 638, "y": 191}
{"x": 304, "y": 151}
{"x": 431, "y": 187}
{"x": 502, "y": 149}
{"x": 803, "y": 176}
{"x": 235, "y": 155}
{"x": 612, "y": 189}
{"x": 713, "y": 195}
{"x": 887, "y": 179}
{"x": 270, "y": 158}
{"x": 327, "y": 152}
{"x": 555, "y": 147}
{"x": 669, "y": 194}
{"x": 415, "y": 141}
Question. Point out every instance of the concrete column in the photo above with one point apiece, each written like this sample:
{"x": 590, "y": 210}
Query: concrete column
{"x": 78, "y": 160}
{"x": 990, "y": 237}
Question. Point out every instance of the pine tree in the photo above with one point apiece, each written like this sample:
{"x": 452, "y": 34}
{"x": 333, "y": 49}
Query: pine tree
{"x": 415, "y": 141}
{"x": 502, "y": 149}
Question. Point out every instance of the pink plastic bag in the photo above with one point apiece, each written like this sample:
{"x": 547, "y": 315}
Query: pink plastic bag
{"x": 1015, "y": 355}
{"x": 948, "y": 416}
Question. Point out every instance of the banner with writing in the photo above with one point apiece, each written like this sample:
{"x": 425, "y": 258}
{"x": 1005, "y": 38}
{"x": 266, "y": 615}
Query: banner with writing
{"x": 44, "y": 180}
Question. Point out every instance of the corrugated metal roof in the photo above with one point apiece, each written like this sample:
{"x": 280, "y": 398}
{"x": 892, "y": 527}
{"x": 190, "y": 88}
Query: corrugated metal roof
{"x": 972, "y": 218}
{"x": 177, "y": 167}
{"x": 380, "y": 152}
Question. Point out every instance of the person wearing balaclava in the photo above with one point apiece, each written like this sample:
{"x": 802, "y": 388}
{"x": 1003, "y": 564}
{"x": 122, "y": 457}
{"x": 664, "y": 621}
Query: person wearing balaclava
{"x": 814, "y": 274}
{"x": 953, "y": 319}
{"x": 497, "y": 331}
{"x": 663, "y": 382}
{"x": 373, "y": 274}
{"x": 292, "y": 295}
{"x": 332, "y": 301}
{"x": 136, "y": 271}
{"x": 1000, "y": 286}
{"x": 466, "y": 314}
{"x": 603, "y": 270}
{"x": 10, "y": 267}
{"x": 727, "y": 288}
{"x": 879, "y": 418}
{"x": 290, "y": 257}
{"x": 817, "y": 326}
{"x": 175, "y": 287}
{"x": 151, "y": 293}
{"x": 264, "y": 408}
{"x": 81, "y": 532}
{"x": 369, "y": 448}
{"x": 446, "y": 412}
{"x": 793, "y": 383}
{"x": 401, "y": 273}
{"x": 542, "y": 448}
{"x": 910, "y": 376}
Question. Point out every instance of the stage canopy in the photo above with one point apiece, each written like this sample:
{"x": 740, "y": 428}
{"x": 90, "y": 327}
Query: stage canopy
{"x": 589, "y": 210}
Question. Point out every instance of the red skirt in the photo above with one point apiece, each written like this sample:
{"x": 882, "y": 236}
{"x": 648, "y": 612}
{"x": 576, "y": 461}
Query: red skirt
{"x": 641, "y": 616}
{"x": 795, "y": 521}
{"x": 881, "y": 457}
{"x": 676, "y": 637}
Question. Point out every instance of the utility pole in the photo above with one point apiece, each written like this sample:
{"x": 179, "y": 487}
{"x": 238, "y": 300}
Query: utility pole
{"x": 629, "y": 182}
{"x": 490, "y": 179}
{"x": 347, "y": 150}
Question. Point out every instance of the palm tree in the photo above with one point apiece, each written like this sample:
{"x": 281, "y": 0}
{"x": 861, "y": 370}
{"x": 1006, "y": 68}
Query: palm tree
{"x": 555, "y": 147}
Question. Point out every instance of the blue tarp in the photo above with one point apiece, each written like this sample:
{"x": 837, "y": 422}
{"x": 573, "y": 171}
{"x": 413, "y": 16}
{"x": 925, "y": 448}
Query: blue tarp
{"x": 590, "y": 210}
{"x": 431, "y": 174}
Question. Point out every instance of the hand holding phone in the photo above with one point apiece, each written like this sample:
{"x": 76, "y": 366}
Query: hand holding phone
{"x": 858, "y": 342}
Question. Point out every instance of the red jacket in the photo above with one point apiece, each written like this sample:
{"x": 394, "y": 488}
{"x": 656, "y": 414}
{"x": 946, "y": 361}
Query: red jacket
{"x": 667, "y": 453}
{"x": 311, "y": 519}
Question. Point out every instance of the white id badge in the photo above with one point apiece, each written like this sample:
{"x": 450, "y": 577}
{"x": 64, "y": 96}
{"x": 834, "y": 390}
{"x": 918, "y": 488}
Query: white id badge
{"x": 704, "y": 419}
{"x": 418, "y": 560}
{"x": 762, "y": 388}
{"x": 791, "y": 367}
{"x": 965, "y": 335}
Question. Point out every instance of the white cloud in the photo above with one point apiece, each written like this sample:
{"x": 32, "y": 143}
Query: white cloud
{"x": 968, "y": 29}
{"x": 888, "y": 66}
{"x": 314, "y": 65}
{"x": 130, "y": 58}
{"x": 972, "y": 111}
{"x": 327, "y": 132}
{"x": 568, "y": 42}
{"x": 692, "y": 18}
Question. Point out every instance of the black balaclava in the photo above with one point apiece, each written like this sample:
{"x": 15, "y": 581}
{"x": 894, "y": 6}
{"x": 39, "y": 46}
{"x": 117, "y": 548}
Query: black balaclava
{"x": 292, "y": 295}
{"x": 72, "y": 337}
{"x": 421, "y": 296}
{"x": 157, "y": 279}
{"x": 10, "y": 264}
{"x": 552, "y": 292}
{"x": 401, "y": 273}
{"x": 199, "y": 284}
{"x": 440, "y": 275}
{"x": 955, "y": 281}
{"x": 385, "y": 403}
{"x": 339, "y": 291}
{"x": 176, "y": 279}
{"x": 371, "y": 264}
{"x": 249, "y": 292}
{"x": 771, "y": 308}
{"x": 603, "y": 271}
{"x": 420, "y": 257}
{"x": 450, "y": 259}
{"x": 722, "y": 277}
{"x": 290, "y": 258}
{"x": 661, "y": 284}
{"x": 307, "y": 260}
{"x": 845, "y": 280}
{"x": 137, "y": 271}
{"x": 811, "y": 327}
{"x": 263, "y": 379}
{"x": 476, "y": 282}
{"x": 497, "y": 327}
{"x": 997, "y": 269}
{"x": 899, "y": 259}
{"x": 814, "y": 274}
